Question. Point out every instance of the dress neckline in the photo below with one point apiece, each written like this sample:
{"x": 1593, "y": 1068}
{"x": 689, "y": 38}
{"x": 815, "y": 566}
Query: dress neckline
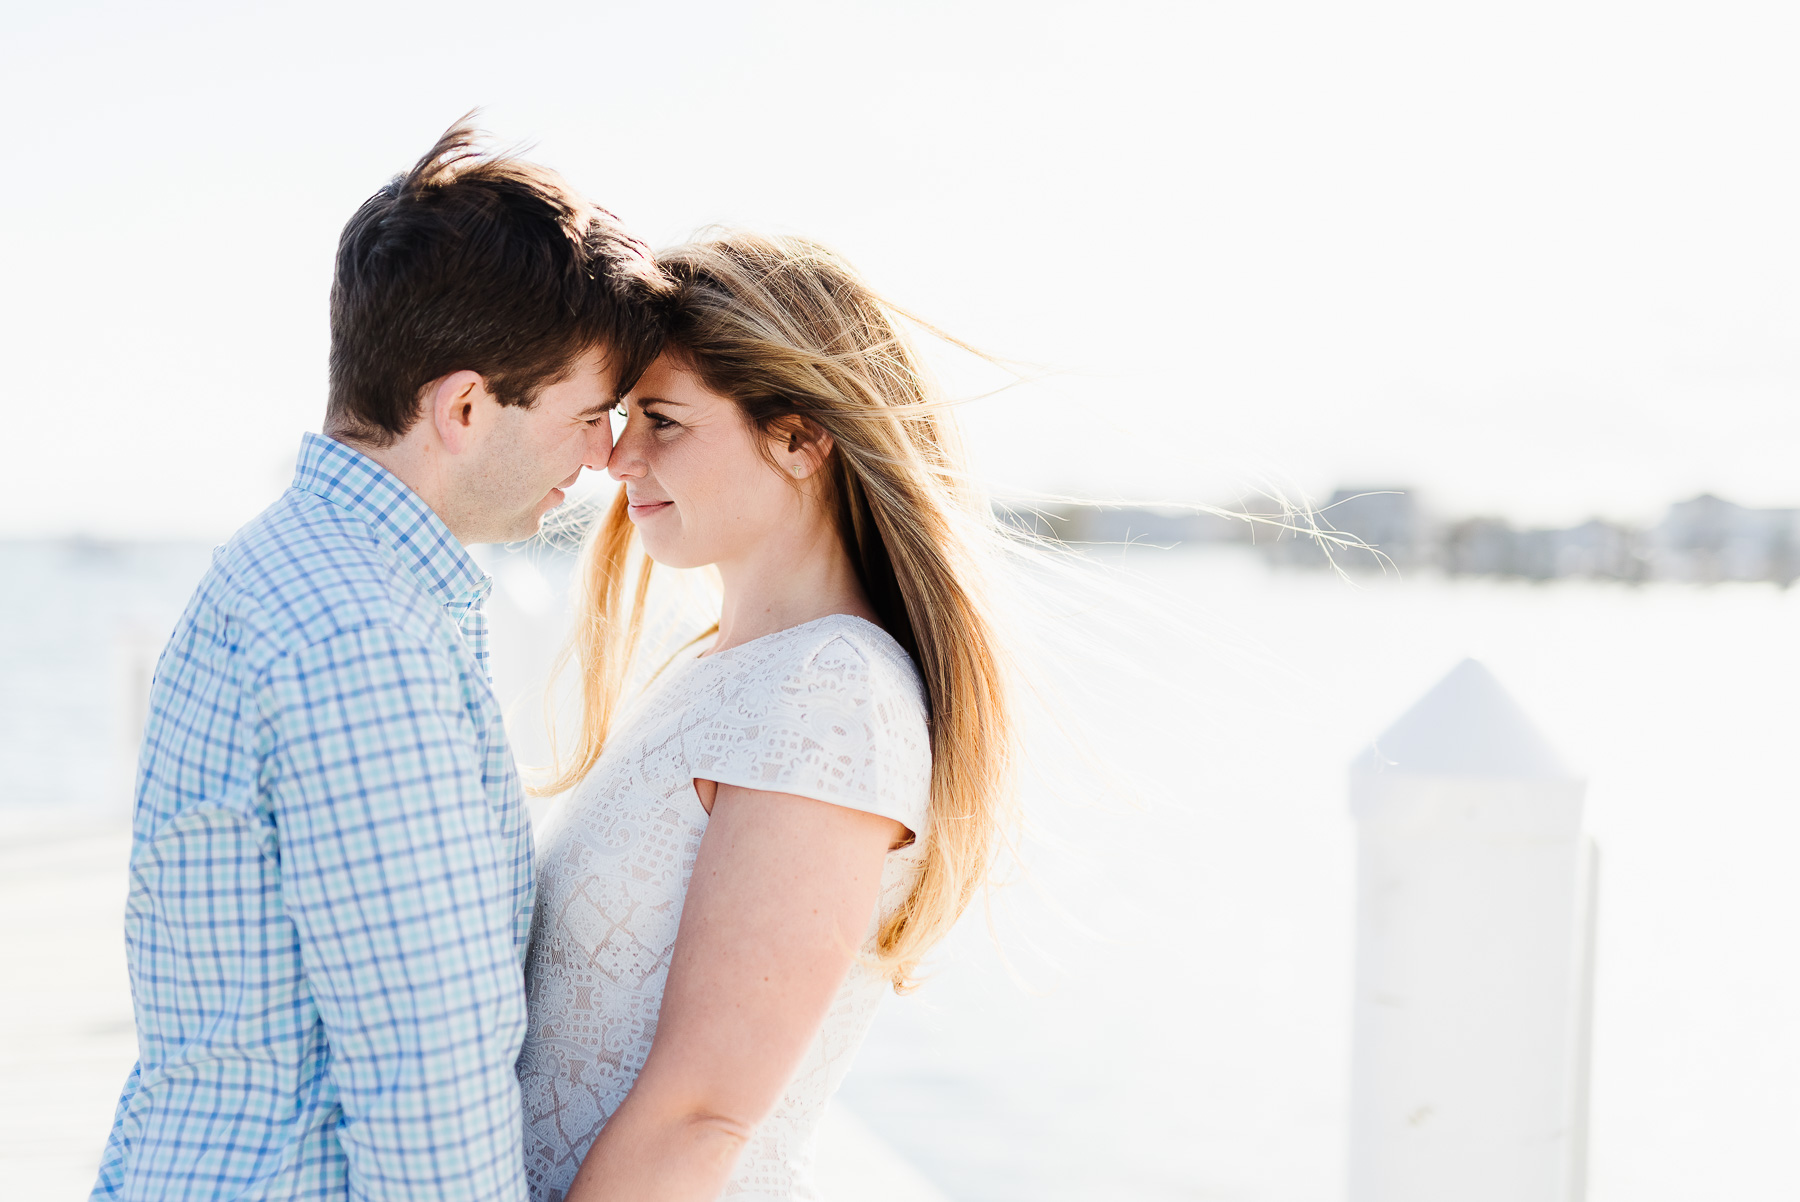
{"x": 775, "y": 634}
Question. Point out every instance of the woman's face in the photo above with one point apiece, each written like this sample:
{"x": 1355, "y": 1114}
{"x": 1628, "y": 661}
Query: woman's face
{"x": 700, "y": 487}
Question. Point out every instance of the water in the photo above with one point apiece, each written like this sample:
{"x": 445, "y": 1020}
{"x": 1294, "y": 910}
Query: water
{"x": 1179, "y": 1025}
{"x": 80, "y": 628}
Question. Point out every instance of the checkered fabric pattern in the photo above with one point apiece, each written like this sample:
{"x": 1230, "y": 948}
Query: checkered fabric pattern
{"x": 331, "y": 879}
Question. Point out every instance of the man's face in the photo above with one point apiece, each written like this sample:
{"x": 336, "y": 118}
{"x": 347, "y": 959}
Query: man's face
{"x": 527, "y": 457}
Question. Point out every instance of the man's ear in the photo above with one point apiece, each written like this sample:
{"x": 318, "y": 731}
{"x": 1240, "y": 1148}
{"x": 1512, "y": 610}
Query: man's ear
{"x": 456, "y": 406}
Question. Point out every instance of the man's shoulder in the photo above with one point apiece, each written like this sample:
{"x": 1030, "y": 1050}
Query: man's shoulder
{"x": 307, "y": 571}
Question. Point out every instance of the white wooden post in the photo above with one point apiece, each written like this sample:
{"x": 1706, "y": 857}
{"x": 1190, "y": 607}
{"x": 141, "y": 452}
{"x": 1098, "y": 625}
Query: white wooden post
{"x": 1475, "y": 892}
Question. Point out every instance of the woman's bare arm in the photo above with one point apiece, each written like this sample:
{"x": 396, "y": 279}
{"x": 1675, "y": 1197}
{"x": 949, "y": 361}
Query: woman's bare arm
{"x": 780, "y": 900}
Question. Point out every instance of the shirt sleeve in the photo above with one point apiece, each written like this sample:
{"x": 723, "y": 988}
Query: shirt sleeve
{"x": 836, "y": 723}
{"x": 395, "y": 877}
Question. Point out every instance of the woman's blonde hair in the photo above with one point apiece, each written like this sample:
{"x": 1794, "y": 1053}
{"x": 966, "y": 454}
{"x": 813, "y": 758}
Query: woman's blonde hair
{"x": 790, "y": 332}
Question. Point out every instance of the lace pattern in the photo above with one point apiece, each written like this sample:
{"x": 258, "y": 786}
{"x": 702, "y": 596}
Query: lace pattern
{"x": 832, "y": 710}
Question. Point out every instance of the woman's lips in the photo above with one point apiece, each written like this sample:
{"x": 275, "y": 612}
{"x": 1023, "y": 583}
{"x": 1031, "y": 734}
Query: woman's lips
{"x": 645, "y": 509}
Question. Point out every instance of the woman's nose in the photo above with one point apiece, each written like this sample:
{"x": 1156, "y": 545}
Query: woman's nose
{"x": 624, "y": 462}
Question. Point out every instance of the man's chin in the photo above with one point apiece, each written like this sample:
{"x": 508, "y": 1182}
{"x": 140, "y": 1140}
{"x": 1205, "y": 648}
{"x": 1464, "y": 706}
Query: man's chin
{"x": 532, "y": 524}
{"x": 529, "y": 527}
{"x": 523, "y": 526}
{"x": 517, "y": 530}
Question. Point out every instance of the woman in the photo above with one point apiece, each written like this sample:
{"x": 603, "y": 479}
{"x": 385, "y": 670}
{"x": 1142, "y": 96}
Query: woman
{"x": 784, "y": 824}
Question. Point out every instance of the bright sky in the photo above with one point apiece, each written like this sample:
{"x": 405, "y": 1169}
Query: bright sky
{"x": 1533, "y": 258}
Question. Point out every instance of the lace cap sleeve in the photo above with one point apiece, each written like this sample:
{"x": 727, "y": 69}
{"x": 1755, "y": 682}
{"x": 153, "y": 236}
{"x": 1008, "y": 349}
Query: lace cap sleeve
{"x": 826, "y": 711}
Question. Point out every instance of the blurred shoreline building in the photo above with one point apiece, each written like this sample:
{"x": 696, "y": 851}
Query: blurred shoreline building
{"x": 1703, "y": 540}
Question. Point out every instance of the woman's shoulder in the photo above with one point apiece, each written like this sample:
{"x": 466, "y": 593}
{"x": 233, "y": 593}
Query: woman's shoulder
{"x": 836, "y": 654}
{"x": 832, "y": 709}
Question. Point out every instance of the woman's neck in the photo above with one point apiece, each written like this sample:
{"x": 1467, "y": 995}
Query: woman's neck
{"x": 779, "y": 587}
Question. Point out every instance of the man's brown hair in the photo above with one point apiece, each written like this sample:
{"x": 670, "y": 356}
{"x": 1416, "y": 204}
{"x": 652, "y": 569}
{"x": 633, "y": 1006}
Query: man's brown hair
{"x": 486, "y": 263}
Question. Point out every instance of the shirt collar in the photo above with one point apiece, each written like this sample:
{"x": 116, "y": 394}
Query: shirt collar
{"x": 399, "y": 517}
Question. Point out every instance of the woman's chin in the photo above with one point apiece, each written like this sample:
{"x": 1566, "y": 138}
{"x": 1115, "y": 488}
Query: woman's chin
{"x": 675, "y": 560}
{"x": 671, "y": 553}
{"x": 661, "y": 551}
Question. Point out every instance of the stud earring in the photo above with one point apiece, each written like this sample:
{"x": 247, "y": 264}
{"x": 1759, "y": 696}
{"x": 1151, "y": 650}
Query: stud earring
{"x": 799, "y": 470}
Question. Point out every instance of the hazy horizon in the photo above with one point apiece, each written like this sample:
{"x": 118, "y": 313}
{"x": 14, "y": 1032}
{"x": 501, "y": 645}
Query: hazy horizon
{"x": 1527, "y": 260}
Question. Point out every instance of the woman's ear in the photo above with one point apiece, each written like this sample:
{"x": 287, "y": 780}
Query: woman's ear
{"x": 805, "y": 449}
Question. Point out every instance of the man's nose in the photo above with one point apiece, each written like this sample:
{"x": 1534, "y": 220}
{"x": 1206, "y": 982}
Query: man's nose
{"x": 599, "y": 446}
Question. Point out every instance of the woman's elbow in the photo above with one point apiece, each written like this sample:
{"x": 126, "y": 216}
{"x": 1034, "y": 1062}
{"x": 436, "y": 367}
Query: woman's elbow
{"x": 712, "y": 1132}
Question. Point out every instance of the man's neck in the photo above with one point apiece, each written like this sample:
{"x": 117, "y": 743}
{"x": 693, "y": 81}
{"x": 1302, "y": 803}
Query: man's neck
{"x": 413, "y": 461}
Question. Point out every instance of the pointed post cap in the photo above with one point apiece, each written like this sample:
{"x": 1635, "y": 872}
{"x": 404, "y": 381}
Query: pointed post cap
{"x": 1467, "y": 726}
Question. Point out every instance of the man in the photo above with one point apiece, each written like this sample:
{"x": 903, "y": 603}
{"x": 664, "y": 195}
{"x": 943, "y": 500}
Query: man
{"x": 331, "y": 878}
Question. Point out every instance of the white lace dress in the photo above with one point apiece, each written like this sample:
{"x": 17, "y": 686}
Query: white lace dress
{"x": 832, "y": 710}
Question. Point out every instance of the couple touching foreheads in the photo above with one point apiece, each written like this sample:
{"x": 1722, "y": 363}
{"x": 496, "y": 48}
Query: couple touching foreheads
{"x": 353, "y": 975}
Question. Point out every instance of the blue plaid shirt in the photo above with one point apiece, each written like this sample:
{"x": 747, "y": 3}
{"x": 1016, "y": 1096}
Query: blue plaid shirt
{"x": 330, "y": 870}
